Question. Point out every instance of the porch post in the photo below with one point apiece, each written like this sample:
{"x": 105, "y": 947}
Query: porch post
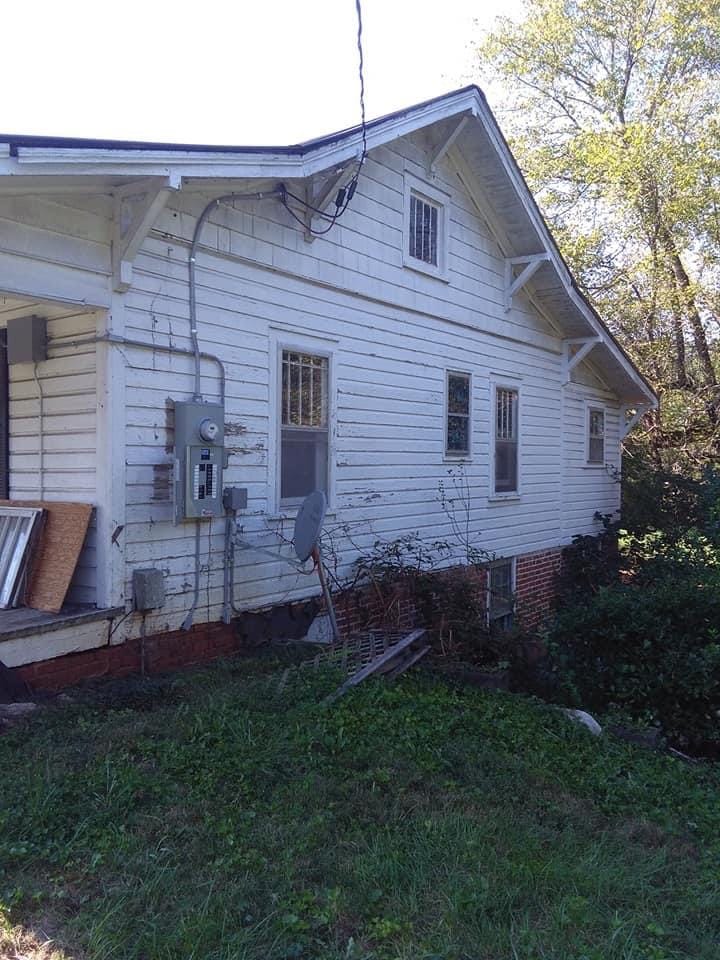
{"x": 111, "y": 459}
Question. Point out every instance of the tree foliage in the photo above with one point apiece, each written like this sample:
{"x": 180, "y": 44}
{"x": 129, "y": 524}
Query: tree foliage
{"x": 613, "y": 115}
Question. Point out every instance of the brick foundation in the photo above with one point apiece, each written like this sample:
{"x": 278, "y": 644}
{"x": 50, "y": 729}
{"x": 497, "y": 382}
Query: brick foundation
{"x": 536, "y": 577}
{"x": 361, "y": 609}
{"x": 368, "y": 608}
{"x": 163, "y": 653}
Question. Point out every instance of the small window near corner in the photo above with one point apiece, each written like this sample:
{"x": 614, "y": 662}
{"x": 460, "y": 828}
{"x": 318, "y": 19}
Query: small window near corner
{"x": 457, "y": 426}
{"x": 501, "y": 594}
{"x": 596, "y": 436}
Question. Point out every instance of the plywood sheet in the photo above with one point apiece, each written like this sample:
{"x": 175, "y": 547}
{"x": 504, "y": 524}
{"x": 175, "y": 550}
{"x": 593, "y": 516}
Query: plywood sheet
{"x": 57, "y": 553}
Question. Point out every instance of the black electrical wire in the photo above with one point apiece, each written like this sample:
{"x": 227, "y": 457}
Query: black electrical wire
{"x": 345, "y": 194}
{"x": 361, "y": 72}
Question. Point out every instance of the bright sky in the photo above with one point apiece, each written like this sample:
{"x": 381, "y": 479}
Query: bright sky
{"x": 228, "y": 71}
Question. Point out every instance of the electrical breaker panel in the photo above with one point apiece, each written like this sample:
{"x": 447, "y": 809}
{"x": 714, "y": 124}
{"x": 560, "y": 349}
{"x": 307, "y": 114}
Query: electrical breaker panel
{"x": 199, "y": 460}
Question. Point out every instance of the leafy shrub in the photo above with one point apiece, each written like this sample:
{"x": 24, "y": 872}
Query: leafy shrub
{"x": 658, "y": 556}
{"x": 653, "y": 651}
{"x": 590, "y": 563}
{"x": 660, "y": 499}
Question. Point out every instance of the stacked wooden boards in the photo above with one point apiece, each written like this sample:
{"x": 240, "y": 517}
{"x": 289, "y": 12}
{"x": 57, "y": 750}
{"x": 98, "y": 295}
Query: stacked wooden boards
{"x": 57, "y": 553}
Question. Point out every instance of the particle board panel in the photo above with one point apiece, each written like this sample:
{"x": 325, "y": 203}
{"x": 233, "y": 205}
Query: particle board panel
{"x": 58, "y": 552}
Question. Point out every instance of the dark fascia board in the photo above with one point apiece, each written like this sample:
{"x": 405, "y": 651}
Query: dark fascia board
{"x": 18, "y": 141}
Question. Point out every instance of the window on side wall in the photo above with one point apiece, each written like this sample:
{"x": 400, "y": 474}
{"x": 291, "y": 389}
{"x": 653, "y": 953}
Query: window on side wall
{"x": 506, "y": 478}
{"x": 426, "y": 223}
{"x": 424, "y": 236}
{"x": 458, "y": 417}
{"x": 595, "y": 435}
{"x": 304, "y": 426}
{"x": 501, "y": 590}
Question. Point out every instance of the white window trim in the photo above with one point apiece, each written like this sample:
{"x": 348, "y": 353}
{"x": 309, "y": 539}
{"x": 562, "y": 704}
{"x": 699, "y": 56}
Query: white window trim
{"x": 594, "y": 406}
{"x": 441, "y": 199}
{"x": 452, "y": 455}
{"x": 279, "y": 341}
{"x": 513, "y": 584}
{"x": 506, "y": 383}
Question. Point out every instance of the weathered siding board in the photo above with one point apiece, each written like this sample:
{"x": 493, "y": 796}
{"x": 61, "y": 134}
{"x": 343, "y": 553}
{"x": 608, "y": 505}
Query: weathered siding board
{"x": 57, "y": 249}
{"x": 589, "y": 488}
{"x": 69, "y": 441}
{"x": 50, "y": 248}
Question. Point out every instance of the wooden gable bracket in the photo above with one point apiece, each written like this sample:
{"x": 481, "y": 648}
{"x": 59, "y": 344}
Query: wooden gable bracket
{"x": 443, "y": 147}
{"x": 136, "y": 208}
{"x": 530, "y": 264}
{"x": 319, "y": 198}
{"x": 571, "y": 360}
{"x": 632, "y": 418}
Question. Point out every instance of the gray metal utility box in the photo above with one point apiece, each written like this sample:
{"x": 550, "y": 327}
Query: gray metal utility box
{"x": 27, "y": 340}
{"x": 199, "y": 460}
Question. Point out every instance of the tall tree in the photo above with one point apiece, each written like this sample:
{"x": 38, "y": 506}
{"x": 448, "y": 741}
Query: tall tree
{"x": 614, "y": 116}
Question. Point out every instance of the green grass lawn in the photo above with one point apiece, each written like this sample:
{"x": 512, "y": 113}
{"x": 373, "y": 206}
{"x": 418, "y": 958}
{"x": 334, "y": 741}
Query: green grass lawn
{"x": 200, "y": 817}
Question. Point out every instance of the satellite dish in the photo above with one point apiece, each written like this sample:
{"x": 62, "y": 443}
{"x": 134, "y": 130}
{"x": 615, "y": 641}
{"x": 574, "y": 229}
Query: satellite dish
{"x": 309, "y": 524}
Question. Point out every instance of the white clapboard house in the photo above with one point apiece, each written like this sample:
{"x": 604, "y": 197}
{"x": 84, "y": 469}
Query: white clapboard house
{"x": 432, "y": 331}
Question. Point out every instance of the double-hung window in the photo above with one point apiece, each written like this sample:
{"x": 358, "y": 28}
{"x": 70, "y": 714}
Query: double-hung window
{"x": 506, "y": 439}
{"x": 458, "y": 419}
{"x": 595, "y": 435}
{"x": 501, "y": 587}
{"x": 304, "y": 425}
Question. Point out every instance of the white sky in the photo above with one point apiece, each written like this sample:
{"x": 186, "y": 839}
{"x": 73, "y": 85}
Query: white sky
{"x": 228, "y": 71}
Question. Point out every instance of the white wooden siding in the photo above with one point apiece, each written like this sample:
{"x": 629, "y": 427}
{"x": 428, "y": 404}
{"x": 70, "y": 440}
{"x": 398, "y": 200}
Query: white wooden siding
{"x": 49, "y": 249}
{"x": 68, "y": 433}
{"x": 393, "y": 331}
{"x": 54, "y": 249}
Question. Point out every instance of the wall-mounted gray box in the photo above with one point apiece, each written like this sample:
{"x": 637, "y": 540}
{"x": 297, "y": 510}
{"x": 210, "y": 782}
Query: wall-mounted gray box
{"x": 27, "y": 340}
{"x": 199, "y": 460}
{"x": 148, "y": 586}
{"x": 235, "y": 498}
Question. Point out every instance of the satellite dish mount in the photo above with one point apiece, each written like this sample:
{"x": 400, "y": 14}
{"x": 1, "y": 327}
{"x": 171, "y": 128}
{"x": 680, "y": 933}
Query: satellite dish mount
{"x": 306, "y": 543}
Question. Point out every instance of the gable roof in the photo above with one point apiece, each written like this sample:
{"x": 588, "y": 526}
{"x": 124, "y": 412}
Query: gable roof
{"x": 481, "y": 156}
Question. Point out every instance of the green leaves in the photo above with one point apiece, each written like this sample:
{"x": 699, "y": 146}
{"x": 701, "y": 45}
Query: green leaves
{"x": 613, "y": 114}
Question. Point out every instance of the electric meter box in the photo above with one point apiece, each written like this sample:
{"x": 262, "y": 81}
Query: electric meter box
{"x": 199, "y": 460}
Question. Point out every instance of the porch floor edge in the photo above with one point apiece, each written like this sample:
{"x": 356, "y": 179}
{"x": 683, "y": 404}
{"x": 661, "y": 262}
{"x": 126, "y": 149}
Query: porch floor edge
{"x": 24, "y": 622}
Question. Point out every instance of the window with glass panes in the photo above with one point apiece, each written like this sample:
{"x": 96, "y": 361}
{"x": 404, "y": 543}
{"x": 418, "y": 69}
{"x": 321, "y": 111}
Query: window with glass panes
{"x": 304, "y": 425}
{"x": 424, "y": 223}
{"x": 457, "y": 432}
{"x": 596, "y": 436}
{"x": 500, "y": 594}
{"x": 506, "y": 440}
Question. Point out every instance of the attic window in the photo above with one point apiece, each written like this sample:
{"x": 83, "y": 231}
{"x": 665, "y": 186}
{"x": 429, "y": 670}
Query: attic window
{"x": 423, "y": 230}
{"x": 425, "y": 234}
